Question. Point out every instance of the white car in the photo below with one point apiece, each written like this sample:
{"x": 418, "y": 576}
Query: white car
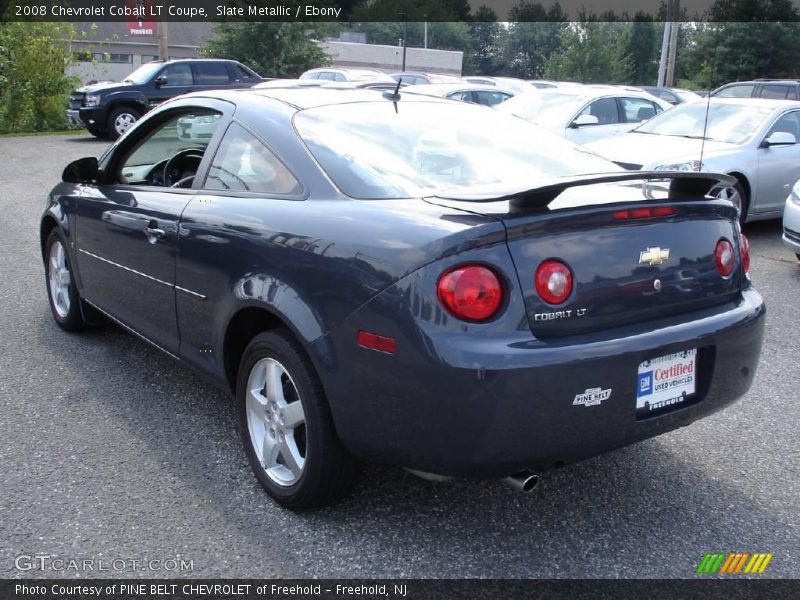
{"x": 753, "y": 139}
{"x": 334, "y": 74}
{"x": 466, "y": 92}
{"x": 584, "y": 114}
{"x": 791, "y": 221}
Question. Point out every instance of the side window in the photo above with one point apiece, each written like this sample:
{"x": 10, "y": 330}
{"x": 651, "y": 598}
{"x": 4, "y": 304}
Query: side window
{"x": 491, "y": 98}
{"x": 463, "y": 96}
{"x": 636, "y": 110}
{"x": 327, "y": 75}
{"x": 339, "y": 77}
{"x": 790, "y": 123}
{"x": 312, "y": 75}
{"x": 243, "y": 163}
{"x": 178, "y": 75}
{"x": 186, "y": 134}
{"x": 774, "y": 91}
{"x": 605, "y": 109}
{"x": 208, "y": 73}
{"x": 736, "y": 91}
{"x": 242, "y": 73}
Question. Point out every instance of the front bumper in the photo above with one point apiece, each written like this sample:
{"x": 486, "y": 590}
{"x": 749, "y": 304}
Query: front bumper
{"x": 791, "y": 225}
{"x": 93, "y": 118}
{"x": 455, "y": 405}
{"x": 74, "y": 118}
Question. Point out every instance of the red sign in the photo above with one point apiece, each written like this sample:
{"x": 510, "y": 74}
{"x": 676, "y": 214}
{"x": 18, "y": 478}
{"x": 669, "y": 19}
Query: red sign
{"x": 140, "y": 17}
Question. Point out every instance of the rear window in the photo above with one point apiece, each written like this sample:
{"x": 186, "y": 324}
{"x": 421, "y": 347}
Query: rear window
{"x": 415, "y": 149}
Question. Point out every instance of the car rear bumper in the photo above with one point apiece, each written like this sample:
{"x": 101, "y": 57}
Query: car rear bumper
{"x": 791, "y": 226}
{"x": 490, "y": 408}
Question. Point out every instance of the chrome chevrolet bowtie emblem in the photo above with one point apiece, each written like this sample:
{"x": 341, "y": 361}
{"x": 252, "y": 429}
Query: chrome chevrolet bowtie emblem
{"x": 653, "y": 256}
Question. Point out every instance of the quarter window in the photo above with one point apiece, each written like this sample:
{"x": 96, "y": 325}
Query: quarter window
{"x": 736, "y": 91}
{"x": 243, "y": 163}
{"x": 774, "y": 91}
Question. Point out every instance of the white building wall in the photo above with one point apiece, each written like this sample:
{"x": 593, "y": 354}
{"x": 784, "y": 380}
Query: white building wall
{"x": 390, "y": 58}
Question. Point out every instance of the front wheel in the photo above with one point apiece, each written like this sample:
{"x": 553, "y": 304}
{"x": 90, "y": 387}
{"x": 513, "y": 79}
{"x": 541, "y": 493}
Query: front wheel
{"x": 286, "y": 425}
{"x": 737, "y": 197}
{"x": 120, "y": 120}
{"x": 61, "y": 290}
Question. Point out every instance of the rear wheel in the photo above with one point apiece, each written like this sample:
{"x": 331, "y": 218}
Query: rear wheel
{"x": 286, "y": 425}
{"x": 121, "y": 119}
{"x": 61, "y": 290}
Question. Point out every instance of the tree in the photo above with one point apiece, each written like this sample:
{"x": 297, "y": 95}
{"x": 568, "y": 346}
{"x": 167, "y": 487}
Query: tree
{"x": 533, "y": 35}
{"x": 488, "y": 37}
{"x": 592, "y": 53}
{"x": 33, "y": 85}
{"x": 273, "y": 49}
{"x": 641, "y": 41}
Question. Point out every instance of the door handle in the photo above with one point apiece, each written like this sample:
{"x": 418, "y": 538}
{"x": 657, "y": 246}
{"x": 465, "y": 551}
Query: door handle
{"x": 153, "y": 232}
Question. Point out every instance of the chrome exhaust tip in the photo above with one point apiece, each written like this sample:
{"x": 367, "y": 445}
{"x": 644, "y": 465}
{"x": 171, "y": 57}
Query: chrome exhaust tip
{"x": 522, "y": 482}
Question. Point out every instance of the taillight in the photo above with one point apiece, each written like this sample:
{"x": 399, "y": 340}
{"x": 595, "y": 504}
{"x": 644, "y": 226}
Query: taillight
{"x": 470, "y": 292}
{"x": 723, "y": 256}
{"x": 745, "y": 249}
{"x": 645, "y": 213}
{"x": 553, "y": 281}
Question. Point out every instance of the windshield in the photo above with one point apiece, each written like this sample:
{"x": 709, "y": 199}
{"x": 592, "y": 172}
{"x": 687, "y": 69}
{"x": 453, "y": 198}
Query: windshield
{"x": 544, "y": 107}
{"x": 432, "y": 148}
{"x": 144, "y": 73}
{"x": 731, "y": 123}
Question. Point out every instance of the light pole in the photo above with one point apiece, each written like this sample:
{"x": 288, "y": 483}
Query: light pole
{"x": 405, "y": 38}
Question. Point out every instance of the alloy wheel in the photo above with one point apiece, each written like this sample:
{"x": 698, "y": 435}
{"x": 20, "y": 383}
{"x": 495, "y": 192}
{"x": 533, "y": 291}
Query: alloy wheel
{"x": 59, "y": 278}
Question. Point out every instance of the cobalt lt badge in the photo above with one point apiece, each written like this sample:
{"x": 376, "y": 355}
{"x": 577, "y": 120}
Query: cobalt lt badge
{"x": 653, "y": 256}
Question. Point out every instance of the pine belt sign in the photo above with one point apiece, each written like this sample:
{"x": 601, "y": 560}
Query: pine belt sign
{"x": 140, "y": 19}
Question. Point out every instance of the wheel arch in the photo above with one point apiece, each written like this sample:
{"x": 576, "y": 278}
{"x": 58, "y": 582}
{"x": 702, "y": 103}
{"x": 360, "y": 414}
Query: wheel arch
{"x": 742, "y": 178}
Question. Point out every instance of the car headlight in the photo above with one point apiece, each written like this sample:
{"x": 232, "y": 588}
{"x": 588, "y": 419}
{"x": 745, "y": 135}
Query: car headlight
{"x": 92, "y": 100}
{"x": 795, "y": 195}
{"x": 691, "y": 165}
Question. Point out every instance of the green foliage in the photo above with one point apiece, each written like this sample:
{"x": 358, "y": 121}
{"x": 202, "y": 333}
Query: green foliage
{"x": 273, "y": 49}
{"x": 641, "y": 41}
{"x": 488, "y": 40}
{"x": 592, "y": 52}
{"x": 33, "y": 85}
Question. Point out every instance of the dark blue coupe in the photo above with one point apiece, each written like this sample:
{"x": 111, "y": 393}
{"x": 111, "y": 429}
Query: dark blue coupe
{"x": 408, "y": 280}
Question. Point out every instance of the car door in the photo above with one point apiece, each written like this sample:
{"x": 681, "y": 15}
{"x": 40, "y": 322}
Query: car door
{"x": 173, "y": 80}
{"x": 778, "y": 166}
{"x": 127, "y": 227}
{"x": 608, "y": 122}
{"x": 244, "y": 181}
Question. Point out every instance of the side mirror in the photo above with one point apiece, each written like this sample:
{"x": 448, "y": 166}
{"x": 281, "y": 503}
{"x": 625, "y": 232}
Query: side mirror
{"x": 161, "y": 80}
{"x": 83, "y": 170}
{"x": 779, "y": 138}
{"x": 584, "y": 120}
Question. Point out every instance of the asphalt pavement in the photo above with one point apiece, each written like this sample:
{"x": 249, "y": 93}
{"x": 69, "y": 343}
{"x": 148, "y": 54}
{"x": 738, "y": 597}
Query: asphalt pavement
{"x": 113, "y": 452}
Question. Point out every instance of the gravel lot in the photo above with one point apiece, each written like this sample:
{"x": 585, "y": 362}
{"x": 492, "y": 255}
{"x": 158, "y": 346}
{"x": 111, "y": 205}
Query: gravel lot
{"x": 112, "y": 451}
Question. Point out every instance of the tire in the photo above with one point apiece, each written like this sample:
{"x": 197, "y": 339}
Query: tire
{"x": 100, "y": 135}
{"x": 62, "y": 294}
{"x": 798, "y": 256}
{"x": 120, "y": 120}
{"x": 743, "y": 202}
{"x": 290, "y": 424}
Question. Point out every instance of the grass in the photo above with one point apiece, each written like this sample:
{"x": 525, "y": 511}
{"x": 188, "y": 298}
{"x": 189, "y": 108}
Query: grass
{"x": 36, "y": 133}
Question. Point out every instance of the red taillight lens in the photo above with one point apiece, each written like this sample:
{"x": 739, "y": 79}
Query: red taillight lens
{"x": 745, "y": 248}
{"x": 723, "y": 256}
{"x": 470, "y": 292}
{"x": 553, "y": 281}
{"x": 645, "y": 213}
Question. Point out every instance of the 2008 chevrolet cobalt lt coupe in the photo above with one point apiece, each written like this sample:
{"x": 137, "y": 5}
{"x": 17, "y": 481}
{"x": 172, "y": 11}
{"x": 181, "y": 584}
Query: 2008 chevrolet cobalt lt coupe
{"x": 408, "y": 280}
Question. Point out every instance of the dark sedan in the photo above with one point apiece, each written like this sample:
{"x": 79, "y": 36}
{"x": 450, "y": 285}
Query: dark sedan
{"x": 408, "y": 280}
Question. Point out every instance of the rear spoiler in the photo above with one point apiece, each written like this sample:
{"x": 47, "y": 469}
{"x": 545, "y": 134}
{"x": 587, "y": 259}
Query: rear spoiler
{"x": 683, "y": 186}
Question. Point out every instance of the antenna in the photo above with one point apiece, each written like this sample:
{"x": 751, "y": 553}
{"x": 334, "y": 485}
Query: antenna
{"x": 395, "y": 95}
{"x": 708, "y": 97}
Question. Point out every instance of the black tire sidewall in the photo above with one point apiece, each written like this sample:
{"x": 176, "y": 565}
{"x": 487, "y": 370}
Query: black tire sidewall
{"x": 322, "y": 446}
{"x": 74, "y": 319}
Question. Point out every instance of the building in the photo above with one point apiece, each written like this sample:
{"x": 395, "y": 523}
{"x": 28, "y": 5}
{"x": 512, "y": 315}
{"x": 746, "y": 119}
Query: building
{"x": 110, "y": 52}
{"x": 346, "y": 54}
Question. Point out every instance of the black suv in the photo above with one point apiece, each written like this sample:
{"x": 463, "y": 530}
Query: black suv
{"x": 108, "y": 109}
{"x": 782, "y": 89}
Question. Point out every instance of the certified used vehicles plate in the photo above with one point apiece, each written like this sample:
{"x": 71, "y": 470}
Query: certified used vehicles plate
{"x": 666, "y": 381}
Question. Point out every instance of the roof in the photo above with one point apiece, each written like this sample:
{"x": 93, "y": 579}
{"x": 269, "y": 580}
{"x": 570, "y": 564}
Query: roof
{"x": 764, "y": 102}
{"x": 312, "y": 97}
{"x": 437, "y": 89}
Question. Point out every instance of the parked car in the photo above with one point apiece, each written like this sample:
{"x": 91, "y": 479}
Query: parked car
{"x": 754, "y": 140}
{"x": 417, "y": 78}
{"x": 508, "y": 83}
{"x": 778, "y": 89}
{"x": 332, "y": 74}
{"x": 671, "y": 95}
{"x": 585, "y": 113}
{"x": 791, "y": 221}
{"x": 420, "y": 282}
{"x": 109, "y": 109}
{"x": 288, "y": 83}
{"x": 466, "y": 92}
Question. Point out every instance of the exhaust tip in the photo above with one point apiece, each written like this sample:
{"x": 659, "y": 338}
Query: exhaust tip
{"x": 522, "y": 482}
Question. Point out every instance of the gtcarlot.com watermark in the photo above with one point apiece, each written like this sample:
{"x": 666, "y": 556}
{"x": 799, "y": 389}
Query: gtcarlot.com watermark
{"x": 48, "y": 562}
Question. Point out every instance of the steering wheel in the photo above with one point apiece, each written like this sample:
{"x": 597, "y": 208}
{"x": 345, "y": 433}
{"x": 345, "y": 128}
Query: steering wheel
{"x": 176, "y": 166}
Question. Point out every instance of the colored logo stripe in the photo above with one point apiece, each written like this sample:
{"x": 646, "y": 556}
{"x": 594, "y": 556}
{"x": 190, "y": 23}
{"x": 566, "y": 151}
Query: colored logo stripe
{"x": 734, "y": 562}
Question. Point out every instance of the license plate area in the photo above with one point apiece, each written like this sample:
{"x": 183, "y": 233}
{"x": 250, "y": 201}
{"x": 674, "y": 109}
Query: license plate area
{"x": 666, "y": 383}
